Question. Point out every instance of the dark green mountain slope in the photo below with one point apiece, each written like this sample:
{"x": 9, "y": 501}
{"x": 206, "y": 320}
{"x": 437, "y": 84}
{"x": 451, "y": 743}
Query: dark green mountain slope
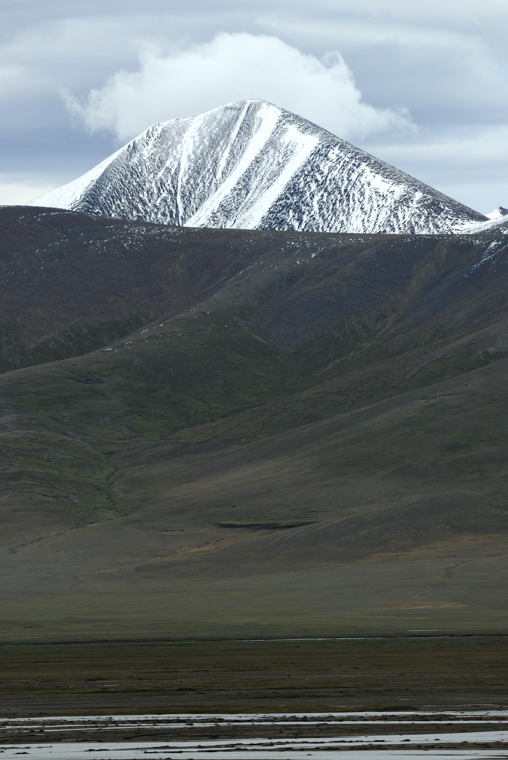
{"x": 71, "y": 283}
{"x": 309, "y": 417}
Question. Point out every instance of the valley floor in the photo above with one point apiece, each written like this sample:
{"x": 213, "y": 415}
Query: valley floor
{"x": 408, "y": 673}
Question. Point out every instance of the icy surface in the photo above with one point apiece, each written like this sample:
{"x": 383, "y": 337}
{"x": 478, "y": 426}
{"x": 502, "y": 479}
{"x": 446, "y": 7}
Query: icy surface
{"x": 251, "y": 165}
{"x": 266, "y": 749}
{"x": 176, "y": 720}
{"x": 372, "y": 745}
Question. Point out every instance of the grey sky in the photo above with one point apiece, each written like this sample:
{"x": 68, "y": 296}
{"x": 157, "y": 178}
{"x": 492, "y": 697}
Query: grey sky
{"x": 423, "y": 86}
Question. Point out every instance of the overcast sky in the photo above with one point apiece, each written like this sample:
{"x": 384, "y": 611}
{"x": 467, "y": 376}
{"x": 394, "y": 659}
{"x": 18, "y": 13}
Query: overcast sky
{"x": 423, "y": 86}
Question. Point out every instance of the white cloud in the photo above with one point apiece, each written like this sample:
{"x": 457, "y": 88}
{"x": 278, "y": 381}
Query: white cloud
{"x": 235, "y": 67}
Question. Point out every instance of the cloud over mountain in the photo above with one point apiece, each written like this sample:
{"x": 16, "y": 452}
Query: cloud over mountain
{"x": 232, "y": 67}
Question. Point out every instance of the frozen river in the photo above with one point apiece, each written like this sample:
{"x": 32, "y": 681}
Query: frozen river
{"x": 311, "y": 736}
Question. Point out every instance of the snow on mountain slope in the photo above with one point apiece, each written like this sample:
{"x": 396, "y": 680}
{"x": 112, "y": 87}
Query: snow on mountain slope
{"x": 498, "y": 213}
{"x": 251, "y": 165}
{"x": 497, "y": 221}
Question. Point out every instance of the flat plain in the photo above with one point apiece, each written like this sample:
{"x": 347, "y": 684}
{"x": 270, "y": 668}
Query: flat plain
{"x": 373, "y": 674}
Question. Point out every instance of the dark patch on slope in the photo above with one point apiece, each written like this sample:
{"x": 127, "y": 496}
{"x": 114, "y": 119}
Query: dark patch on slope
{"x": 418, "y": 521}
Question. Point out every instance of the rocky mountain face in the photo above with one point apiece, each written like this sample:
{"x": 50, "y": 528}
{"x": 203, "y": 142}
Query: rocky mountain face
{"x": 251, "y": 165}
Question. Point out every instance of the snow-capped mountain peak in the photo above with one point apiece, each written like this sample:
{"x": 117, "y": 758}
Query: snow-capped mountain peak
{"x": 253, "y": 165}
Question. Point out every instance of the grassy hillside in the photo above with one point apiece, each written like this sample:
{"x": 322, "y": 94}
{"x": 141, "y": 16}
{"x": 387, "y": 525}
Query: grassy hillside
{"x": 300, "y": 422}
